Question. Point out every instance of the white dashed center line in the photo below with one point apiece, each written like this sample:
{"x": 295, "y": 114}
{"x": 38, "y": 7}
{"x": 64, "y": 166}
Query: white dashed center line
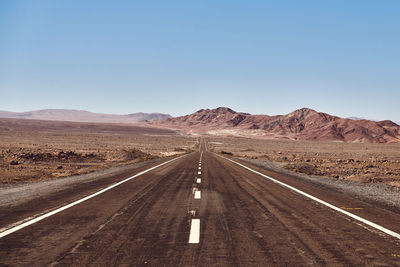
{"x": 194, "y": 237}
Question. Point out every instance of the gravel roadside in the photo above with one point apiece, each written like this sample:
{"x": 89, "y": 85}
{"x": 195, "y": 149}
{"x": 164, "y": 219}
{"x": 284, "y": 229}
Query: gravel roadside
{"x": 379, "y": 193}
{"x": 15, "y": 194}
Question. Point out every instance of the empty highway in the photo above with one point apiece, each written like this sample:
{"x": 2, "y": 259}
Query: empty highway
{"x": 199, "y": 209}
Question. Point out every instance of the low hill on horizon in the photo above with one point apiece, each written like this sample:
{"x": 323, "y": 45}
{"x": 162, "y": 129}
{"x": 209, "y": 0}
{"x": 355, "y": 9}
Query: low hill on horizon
{"x": 301, "y": 124}
{"x": 82, "y": 116}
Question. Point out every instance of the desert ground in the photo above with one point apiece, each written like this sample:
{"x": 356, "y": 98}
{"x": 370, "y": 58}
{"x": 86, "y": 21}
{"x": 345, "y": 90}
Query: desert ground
{"x": 362, "y": 162}
{"x": 32, "y": 150}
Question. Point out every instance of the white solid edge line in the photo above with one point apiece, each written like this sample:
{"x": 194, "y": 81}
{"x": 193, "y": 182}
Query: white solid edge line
{"x": 194, "y": 236}
{"x": 358, "y": 218}
{"x": 197, "y": 194}
{"x": 25, "y": 223}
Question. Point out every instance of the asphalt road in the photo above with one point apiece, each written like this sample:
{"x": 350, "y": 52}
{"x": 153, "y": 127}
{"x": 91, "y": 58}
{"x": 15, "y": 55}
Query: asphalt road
{"x": 199, "y": 210}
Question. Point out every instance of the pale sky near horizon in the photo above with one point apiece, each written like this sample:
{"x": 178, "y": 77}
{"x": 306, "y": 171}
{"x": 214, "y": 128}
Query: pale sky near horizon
{"x": 261, "y": 57}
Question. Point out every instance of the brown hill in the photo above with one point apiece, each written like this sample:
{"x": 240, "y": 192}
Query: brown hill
{"x": 82, "y": 116}
{"x": 302, "y": 124}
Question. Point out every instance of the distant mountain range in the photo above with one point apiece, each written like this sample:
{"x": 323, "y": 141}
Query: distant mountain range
{"x": 82, "y": 116}
{"x": 302, "y": 124}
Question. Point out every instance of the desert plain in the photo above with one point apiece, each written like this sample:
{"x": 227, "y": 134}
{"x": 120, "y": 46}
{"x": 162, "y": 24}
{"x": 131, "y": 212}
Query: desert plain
{"x": 32, "y": 150}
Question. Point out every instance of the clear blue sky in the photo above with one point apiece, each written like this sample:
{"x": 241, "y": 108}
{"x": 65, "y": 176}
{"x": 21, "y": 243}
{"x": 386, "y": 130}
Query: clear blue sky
{"x": 270, "y": 57}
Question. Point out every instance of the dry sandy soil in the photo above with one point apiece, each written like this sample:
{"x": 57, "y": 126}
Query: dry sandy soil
{"x": 363, "y": 162}
{"x": 32, "y": 150}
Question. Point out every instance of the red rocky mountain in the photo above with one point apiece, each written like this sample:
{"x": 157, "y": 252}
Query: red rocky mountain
{"x": 302, "y": 124}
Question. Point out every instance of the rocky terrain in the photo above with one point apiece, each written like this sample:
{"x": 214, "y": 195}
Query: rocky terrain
{"x": 32, "y": 150}
{"x": 82, "y": 116}
{"x": 361, "y": 162}
{"x": 303, "y": 141}
{"x": 302, "y": 124}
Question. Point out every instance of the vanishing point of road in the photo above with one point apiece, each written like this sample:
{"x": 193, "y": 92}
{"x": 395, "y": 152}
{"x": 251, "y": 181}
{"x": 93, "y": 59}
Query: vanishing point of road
{"x": 199, "y": 209}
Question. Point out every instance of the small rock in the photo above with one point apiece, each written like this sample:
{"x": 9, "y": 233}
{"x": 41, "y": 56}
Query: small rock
{"x": 59, "y": 167}
{"x": 14, "y": 162}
